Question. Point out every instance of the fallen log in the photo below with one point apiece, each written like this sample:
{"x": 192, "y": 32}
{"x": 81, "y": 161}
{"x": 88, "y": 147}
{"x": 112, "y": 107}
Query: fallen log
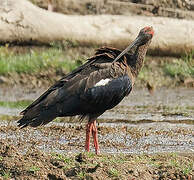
{"x": 23, "y": 23}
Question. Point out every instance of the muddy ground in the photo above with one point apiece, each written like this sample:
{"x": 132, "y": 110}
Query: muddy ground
{"x": 35, "y": 164}
{"x": 56, "y": 152}
{"x": 145, "y": 137}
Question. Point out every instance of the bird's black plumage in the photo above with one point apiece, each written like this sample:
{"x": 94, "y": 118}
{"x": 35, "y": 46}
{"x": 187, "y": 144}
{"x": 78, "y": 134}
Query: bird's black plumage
{"x": 100, "y": 84}
{"x": 107, "y": 96}
{"x": 91, "y": 89}
{"x": 76, "y": 93}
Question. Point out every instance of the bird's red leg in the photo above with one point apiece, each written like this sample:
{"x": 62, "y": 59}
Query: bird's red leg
{"x": 89, "y": 127}
{"x": 95, "y": 136}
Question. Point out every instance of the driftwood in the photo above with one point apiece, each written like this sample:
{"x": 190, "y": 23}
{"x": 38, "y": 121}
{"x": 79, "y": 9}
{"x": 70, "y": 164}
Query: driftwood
{"x": 23, "y": 23}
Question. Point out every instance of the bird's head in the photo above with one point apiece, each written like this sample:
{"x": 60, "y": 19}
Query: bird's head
{"x": 144, "y": 36}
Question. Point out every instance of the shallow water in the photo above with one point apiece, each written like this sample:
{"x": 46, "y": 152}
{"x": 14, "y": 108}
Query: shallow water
{"x": 141, "y": 123}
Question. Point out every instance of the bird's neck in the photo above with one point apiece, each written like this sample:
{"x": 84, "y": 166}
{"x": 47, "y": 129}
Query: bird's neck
{"x": 137, "y": 58}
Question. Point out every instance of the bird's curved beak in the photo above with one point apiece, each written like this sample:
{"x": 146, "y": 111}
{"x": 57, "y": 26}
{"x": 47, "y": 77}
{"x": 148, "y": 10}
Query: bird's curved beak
{"x": 135, "y": 42}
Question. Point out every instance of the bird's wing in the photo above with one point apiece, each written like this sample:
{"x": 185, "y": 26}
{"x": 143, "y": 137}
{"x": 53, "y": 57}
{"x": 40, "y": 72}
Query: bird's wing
{"x": 103, "y": 55}
{"x": 115, "y": 52}
{"x": 59, "y": 84}
{"x": 111, "y": 51}
{"x": 106, "y": 93}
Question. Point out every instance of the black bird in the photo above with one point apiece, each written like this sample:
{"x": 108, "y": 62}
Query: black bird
{"x": 91, "y": 89}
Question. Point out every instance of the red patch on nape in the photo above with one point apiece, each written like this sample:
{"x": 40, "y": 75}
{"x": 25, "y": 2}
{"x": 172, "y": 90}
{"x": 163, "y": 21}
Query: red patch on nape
{"x": 149, "y": 30}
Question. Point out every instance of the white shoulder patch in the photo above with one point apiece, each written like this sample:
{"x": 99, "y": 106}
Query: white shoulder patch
{"x": 102, "y": 82}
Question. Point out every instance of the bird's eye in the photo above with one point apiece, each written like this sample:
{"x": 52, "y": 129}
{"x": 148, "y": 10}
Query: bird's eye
{"x": 146, "y": 30}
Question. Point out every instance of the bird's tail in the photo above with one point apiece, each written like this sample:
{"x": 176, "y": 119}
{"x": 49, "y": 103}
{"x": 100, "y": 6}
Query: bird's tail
{"x": 37, "y": 119}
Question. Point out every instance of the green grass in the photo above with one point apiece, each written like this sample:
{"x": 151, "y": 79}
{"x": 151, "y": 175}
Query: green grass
{"x": 8, "y": 118}
{"x": 174, "y": 163}
{"x": 35, "y": 61}
{"x": 65, "y": 57}
{"x": 144, "y": 74}
{"x": 113, "y": 172}
{"x": 15, "y": 104}
{"x": 90, "y": 154}
{"x": 33, "y": 169}
{"x": 183, "y": 67}
{"x": 187, "y": 169}
{"x": 64, "y": 158}
{"x": 5, "y": 175}
{"x": 81, "y": 175}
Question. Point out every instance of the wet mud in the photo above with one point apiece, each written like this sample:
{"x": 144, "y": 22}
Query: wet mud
{"x": 142, "y": 125}
{"x": 162, "y": 122}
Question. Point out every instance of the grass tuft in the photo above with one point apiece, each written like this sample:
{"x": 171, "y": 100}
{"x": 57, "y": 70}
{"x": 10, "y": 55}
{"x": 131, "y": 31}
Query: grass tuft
{"x": 35, "y": 61}
{"x": 81, "y": 175}
{"x": 183, "y": 67}
{"x": 5, "y": 175}
{"x": 187, "y": 169}
{"x": 15, "y": 104}
{"x": 113, "y": 172}
{"x": 33, "y": 169}
{"x": 64, "y": 158}
{"x": 90, "y": 154}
